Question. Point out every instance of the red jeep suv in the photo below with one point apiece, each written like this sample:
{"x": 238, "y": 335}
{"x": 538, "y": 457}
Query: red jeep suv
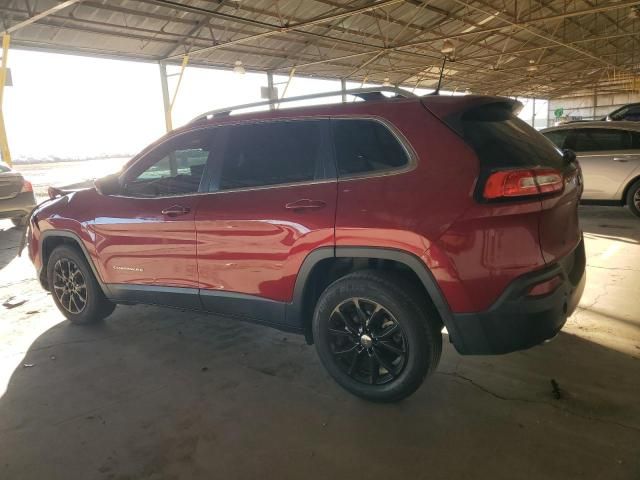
{"x": 366, "y": 226}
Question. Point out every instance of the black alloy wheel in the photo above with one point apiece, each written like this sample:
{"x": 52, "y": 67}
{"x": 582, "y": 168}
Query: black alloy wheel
{"x": 367, "y": 341}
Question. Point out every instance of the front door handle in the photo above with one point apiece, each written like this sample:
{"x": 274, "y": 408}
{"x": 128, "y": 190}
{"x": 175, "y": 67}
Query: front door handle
{"x": 175, "y": 211}
{"x": 620, "y": 159}
{"x": 305, "y": 204}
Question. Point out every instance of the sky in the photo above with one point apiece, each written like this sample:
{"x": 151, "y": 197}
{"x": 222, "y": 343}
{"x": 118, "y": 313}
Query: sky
{"x": 68, "y": 106}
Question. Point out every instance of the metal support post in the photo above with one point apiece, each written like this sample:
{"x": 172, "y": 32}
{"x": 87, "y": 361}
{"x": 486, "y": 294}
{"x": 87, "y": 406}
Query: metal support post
{"x": 343, "y": 86}
{"x": 533, "y": 114}
{"x": 165, "y": 97}
{"x": 272, "y": 105}
{"x": 4, "y": 142}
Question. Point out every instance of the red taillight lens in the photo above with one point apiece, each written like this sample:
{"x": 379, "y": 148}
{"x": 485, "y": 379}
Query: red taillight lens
{"x": 519, "y": 183}
{"x": 546, "y": 287}
{"x": 26, "y": 187}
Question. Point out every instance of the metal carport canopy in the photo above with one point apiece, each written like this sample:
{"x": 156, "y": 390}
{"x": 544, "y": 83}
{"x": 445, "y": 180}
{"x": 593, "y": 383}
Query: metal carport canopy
{"x": 529, "y": 48}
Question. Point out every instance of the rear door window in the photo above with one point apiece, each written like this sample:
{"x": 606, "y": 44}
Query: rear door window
{"x": 501, "y": 139}
{"x": 601, "y": 140}
{"x": 273, "y": 153}
{"x": 365, "y": 146}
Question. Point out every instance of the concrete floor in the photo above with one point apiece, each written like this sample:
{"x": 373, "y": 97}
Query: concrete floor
{"x": 162, "y": 394}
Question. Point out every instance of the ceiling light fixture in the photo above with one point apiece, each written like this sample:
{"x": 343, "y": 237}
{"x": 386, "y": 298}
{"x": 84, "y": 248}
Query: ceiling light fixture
{"x": 448, "y": 47}
{"x": 532, "y": 66}
{"x": 386, "y": 82}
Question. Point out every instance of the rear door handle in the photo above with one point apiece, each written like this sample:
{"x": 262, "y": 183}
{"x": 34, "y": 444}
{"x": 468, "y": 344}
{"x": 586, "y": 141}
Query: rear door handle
{"x": 305, "y": 204}
{"x": 175, "y": 211}
{"x": 620, "y": 159}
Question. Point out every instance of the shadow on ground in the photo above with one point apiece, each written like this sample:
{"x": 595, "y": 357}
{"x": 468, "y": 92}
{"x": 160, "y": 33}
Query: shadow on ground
{"x": 9, "y": 241}
{"x": 613, "y": 223}
{"x": 161, "y": 394}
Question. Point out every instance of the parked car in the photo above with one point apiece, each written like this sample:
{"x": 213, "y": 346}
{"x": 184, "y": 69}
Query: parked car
{"x": 630, "y": 112}
{"x": 16, "y": 196}
{"x": 609, "y": 155}
{"x": 365, "y": 226}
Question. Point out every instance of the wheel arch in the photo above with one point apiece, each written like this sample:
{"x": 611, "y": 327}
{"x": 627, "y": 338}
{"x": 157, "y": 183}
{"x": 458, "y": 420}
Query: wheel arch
{"x": 51, "y": 239}
{"x": 627, "y": 187}
{"x": 325, "y": 265}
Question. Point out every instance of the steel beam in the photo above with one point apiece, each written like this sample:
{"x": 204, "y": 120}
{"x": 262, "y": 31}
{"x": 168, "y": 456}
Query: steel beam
{"x": 40, "y": 16}
{"x": 295, "y": 27}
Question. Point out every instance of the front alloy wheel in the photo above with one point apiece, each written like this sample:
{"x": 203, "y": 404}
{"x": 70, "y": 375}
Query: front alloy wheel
{"x": 69, "y": 286}
{"x": 74, "y": 288}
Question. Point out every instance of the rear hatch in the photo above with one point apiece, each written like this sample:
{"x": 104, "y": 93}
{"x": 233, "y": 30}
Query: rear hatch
{"x": 10, "y": 183}
{"x": 513, "y": 154}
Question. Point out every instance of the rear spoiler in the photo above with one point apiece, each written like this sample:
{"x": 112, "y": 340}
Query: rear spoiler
{"x": 451, "y": 109}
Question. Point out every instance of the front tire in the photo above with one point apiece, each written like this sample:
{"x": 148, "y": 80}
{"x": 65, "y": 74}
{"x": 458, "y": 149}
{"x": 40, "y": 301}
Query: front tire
{"x": 633, "y": 198}
{"x": 375, "y": 336}
{"x": 74, "y": 288}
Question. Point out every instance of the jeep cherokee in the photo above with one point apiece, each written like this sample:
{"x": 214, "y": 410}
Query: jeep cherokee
{"x": 366, "y": 226}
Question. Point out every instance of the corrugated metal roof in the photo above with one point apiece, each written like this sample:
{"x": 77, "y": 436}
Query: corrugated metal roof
{"x": 544, "y": 49}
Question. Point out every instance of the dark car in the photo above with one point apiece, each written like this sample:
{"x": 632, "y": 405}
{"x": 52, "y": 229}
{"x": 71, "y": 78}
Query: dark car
{"x": 366, "y": 226}
{"x": 16, "y": 196}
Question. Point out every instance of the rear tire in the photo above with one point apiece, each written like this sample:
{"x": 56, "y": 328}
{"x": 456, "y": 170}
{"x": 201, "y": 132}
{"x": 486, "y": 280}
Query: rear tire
{"x": 74, "y": 288}
{"x": 633, "y": 198}
{"x": 375, "y": 335}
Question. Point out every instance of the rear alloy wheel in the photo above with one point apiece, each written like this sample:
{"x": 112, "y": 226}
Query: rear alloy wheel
{"x": 633, "y": 198}
{"x": 74, "y": 288}
{"x": 376, "y": 336}
{"x": 367, "y": 342}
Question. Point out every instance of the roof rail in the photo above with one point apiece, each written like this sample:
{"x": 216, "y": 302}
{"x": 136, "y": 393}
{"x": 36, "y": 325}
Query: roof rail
{"x": 374, "y": 93}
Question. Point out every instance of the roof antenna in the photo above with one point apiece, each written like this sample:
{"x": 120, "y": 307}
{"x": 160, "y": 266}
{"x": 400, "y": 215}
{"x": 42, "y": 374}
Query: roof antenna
{"x": 437, "y": 90}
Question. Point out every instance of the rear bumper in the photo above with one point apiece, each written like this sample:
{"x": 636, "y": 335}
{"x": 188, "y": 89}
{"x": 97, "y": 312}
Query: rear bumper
{"x": 18, "y": 206}
{"x": 516, "y": 321}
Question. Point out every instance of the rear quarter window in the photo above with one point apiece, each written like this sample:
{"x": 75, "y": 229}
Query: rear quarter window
{"x": 501, "y": 139}
{"x": 366, "y": 146}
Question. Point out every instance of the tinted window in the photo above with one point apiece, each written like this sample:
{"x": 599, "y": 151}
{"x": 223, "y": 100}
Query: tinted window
{"x": 175, "y": 168}
{"x": 631, "y": 112}
{"x": 4, "y": 168}
{"x": 557, "y": 137}
{"x": 599, "y": 140}
{"x": 500, "y": 139}
{"x": 272, "y": 153}
{"x": 635, "y": 140}
{"x": 366, "y": 146}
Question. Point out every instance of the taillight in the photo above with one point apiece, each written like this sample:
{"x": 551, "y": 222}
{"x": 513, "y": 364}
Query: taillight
{"x": 520, "y": 183}
{"x": 26, "y": 187}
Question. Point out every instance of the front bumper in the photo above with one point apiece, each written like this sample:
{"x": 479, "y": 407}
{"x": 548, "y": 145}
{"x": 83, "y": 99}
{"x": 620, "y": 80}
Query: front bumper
{"x": 516, "y": 321}
{"x": 18, "y": 206}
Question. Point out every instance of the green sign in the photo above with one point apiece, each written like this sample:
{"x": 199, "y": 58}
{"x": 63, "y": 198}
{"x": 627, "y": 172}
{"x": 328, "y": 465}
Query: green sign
{"x": 558, "y": 112}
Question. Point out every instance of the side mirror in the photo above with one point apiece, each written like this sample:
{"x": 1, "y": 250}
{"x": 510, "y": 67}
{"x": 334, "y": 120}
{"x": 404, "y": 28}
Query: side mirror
{"x": 569, "y": 155}
{"x": 608, "y": 118}
{"x": 109, "y": 185}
